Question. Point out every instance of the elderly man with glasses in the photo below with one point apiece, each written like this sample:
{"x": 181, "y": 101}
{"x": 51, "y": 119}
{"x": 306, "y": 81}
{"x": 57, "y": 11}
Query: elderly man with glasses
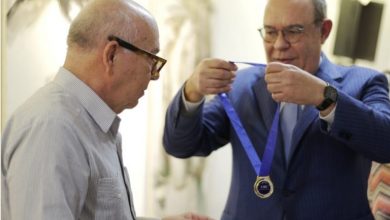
{"x": 61, "y": 151}
{"x": 303, "y": 130}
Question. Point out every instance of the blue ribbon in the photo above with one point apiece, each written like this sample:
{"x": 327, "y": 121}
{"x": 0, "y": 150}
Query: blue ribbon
{"x": 261, "y": 168}
{"x": 250, "y": 63}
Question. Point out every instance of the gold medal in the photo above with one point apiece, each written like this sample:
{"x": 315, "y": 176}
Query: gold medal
{"x": 263, "y": 187}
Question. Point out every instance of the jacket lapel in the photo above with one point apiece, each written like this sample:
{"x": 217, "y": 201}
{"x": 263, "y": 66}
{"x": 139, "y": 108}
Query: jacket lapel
{"x": 328, "y": 73}
{"x": 308, "y": 115}
{"x": 265, "y": 103}
{"x": 267, "y": 107}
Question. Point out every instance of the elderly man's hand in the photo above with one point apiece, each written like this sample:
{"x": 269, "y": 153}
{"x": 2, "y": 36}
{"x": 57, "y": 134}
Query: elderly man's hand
{"x": 187, "y": 216}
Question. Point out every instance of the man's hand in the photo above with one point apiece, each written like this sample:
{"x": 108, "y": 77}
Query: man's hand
{"x": 211, "y": 76}
{"x": 288, "y": 83}
{"x": 187, "y": 216}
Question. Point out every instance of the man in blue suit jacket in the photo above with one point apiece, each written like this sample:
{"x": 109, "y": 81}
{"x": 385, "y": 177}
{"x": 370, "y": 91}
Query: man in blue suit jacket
{"x": 344, "y": 125}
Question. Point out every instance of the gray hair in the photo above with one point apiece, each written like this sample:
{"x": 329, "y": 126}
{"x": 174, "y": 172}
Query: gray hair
{"x": 320, "y": 10}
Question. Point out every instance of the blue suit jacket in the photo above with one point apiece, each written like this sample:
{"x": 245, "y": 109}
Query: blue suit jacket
{"x": 326, "y": 176}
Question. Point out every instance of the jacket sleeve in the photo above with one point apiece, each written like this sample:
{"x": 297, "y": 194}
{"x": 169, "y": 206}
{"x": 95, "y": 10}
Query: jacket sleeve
{"x": 197, "y": 133}
{"x": 363, "y": 122}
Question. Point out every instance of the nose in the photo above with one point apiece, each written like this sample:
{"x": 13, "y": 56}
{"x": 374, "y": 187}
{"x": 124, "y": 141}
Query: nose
{"x": 281, "y": 43}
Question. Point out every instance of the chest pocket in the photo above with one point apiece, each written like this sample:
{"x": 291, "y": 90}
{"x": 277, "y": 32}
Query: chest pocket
{"x": 111, "y": 200}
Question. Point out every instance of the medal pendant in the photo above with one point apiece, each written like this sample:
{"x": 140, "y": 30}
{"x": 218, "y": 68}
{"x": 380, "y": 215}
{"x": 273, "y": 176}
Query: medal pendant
{"x": 263, "y": 187}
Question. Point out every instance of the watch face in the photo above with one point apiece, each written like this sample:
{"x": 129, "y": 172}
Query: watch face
{"x": 331, "y": 93}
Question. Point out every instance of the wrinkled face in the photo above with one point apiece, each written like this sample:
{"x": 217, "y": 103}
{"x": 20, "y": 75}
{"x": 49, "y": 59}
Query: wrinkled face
{"x": 132, "y": 70}
{"x": 284, "y": 15}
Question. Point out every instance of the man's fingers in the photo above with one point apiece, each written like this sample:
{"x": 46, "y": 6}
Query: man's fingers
{"x": 275, "y": 67}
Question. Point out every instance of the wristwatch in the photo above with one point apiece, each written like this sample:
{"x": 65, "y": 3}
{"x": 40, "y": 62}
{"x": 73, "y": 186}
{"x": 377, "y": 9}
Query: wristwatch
{"x": 331, "y": 95}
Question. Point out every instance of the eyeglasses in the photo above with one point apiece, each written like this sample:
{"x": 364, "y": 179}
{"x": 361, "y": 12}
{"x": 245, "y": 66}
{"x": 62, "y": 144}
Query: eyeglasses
{"x": 158, "y": 62}
{"x": 291, "y": 34}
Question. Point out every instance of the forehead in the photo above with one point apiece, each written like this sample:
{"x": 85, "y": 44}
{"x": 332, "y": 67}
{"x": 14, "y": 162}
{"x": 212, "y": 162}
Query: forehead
{"x": 286, "y": 12}
{"x": 146, "y": 35}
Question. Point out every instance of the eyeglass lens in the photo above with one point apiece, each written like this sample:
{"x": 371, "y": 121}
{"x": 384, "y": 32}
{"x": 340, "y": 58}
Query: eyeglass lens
{"x": 291, "y": 34}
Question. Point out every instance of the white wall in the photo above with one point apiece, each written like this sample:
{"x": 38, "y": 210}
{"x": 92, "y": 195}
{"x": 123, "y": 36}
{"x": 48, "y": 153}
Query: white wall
{"x": 2, "y": 61}
{"x": 234, "y": 30}
{"x": 34, "y": 55}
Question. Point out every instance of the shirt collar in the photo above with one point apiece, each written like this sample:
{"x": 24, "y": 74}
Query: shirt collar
{"x": 101, "y": 113}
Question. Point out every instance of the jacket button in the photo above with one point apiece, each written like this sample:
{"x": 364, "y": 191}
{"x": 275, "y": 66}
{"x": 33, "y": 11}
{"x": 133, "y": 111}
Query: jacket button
{"x": 345, "y": 135}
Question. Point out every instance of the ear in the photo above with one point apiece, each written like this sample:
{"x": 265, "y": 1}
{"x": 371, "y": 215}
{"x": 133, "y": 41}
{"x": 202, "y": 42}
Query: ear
{"x": 325, "y": 29}
{"x": 109, "y": 53}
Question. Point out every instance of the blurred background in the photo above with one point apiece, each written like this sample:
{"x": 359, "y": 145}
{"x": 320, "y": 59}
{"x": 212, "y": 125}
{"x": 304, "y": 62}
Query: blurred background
{"x": 33, "y": 47}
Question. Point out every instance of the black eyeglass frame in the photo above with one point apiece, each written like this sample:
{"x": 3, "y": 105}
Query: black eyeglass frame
{"x": 159, "y": 62}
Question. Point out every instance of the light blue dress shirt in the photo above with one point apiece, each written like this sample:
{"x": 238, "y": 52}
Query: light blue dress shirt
{"x": 62, "y": 159}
